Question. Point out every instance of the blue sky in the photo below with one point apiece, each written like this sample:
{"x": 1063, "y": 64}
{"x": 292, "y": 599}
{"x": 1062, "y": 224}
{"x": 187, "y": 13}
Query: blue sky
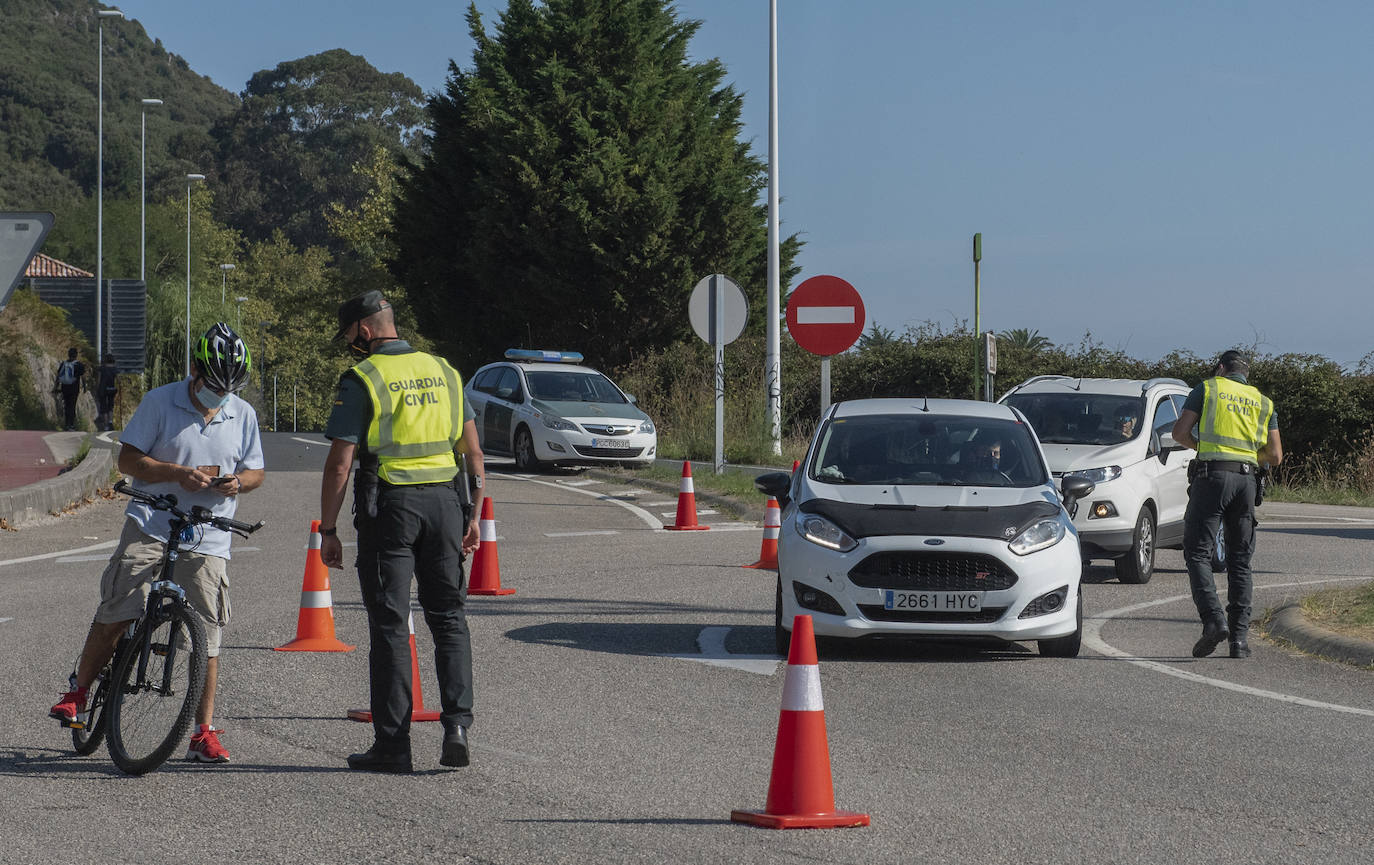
{"x": 1172, "y": 175}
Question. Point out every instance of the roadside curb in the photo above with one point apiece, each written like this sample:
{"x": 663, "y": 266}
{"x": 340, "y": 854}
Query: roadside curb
{"x": 37, "y": 500}
{"x": 735, "y": 506}
{"x": 1288, "y": 623}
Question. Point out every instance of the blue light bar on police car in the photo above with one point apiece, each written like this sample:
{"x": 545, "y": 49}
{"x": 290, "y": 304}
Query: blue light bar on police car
{"x": 532, "y": 354}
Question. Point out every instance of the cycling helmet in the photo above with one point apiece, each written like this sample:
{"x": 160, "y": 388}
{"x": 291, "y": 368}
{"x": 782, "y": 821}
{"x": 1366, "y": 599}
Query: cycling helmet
{"x": 222, "y": 359}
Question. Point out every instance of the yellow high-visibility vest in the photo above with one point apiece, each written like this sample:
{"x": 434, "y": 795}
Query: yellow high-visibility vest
{"x": 417, "y": 416}
{"x": 1235, "y": 421}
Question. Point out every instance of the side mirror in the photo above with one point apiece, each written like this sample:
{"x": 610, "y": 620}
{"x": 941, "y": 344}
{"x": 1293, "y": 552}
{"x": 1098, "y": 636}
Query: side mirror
{"x": 775, "y": 484}
{"x": 1075, "y": 488}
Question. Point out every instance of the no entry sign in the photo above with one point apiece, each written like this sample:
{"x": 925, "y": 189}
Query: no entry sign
{"x": 825, "y": 315}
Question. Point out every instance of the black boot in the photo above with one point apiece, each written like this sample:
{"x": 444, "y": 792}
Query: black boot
{"x": 1213, "y": 634}
{"x": 455, "y": 749}
{"x": 375, "y": 759}
{"x": 1240, "y": 648}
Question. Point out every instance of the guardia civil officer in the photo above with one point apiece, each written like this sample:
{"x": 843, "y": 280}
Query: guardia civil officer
{"x": 1238, "y": 431}
{"x": 401, "y": 413}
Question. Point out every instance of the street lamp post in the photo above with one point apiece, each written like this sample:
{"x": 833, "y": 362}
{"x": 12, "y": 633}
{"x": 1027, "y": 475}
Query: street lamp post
{"x": 224, "y": 282}
{"x": 143, "y": 190}
{"x": 239, "y": 300}
{"x": 190, "y": 178}
{"x": 101, "y": 15}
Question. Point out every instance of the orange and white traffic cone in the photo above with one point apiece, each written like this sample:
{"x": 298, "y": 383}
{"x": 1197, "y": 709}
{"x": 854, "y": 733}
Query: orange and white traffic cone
{"x": 800, "y": 792}
{"x": 772, "y": 527}
{"x": 315, "y": 624}
{"x": 485, "y": 578}
{"x": 686, "y": 504}
{"x": 418, "y": 712}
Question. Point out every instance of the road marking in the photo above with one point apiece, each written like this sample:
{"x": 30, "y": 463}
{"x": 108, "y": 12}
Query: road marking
{"x": 701, "y": 512}
{"x": 107, "y": 545}
{"x": 580, "y": 534}
{"x": 585, "y": 482}
{"x": 4, "y": 620}
{"x": 311, "y": 442}
{"x": 1092, "y": 637}
{"x": 711, "y": 642}
{"x": 659, "y": 504}
{"x": 653, "y": 522}
{"x": 67, "y": 560}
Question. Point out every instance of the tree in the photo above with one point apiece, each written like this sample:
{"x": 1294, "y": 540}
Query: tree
{"x": 580, "y": 178}
{"x": 1021, "y": 339}
{"x": 289, "y": 151}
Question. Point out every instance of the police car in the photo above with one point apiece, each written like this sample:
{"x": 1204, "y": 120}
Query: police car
{"x": 544, "y": 409}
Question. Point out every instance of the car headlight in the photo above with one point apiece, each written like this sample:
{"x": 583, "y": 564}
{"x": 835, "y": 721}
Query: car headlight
{"x": 553, "y": 421}
{"x": 1097, "y": 476}
{"x": 820, "y": 531}
{"x": 1039, "y": 535}
{"x": 647, "y": 427}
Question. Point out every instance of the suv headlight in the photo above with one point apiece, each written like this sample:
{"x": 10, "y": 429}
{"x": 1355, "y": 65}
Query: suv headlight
{"x": 553, "y": 421}
{"x": 647, "y": 427}
{"x": 1097, "y": 476}
{"x": 820, "y": 531}
{"x": 1039, "y": 535}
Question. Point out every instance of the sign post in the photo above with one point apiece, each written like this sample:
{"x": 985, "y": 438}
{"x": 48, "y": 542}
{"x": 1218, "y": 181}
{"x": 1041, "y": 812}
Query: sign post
{"x": 977, "y": 325}
{"x": 718, "y": 310}
{"x": 21, "y": 236}
{"x": 989, "y": 361}
{"x": 825, "y": 315}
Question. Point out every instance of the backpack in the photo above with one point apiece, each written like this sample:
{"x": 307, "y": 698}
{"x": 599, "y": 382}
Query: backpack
{"x": 66, "y": 372}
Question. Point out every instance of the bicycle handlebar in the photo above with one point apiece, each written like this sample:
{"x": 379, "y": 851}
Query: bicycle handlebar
{"x": 199, "y": 515}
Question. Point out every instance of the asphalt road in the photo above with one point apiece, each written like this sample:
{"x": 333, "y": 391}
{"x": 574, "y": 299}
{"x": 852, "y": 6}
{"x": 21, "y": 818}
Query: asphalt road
{"x": 606, "y": 733}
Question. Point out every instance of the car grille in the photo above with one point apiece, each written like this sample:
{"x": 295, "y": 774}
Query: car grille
{"x": 877, "y": 613}
{"x": 614, "y": 453}
{"x": 955, "y": 572}
{"x": 608, "y": 429}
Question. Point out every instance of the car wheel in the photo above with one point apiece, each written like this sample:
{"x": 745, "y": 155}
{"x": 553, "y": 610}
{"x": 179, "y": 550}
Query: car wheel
{"x": 1066, "y": 647}
{"x": 1219, "y": 551}
{"x": 1138, "y": 565}
{"x": 525, "y": 460}
{"x": 782, "y": 638}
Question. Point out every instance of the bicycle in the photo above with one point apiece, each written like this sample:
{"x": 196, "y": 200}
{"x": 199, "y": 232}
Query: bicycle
{"x": 157, "y": 671}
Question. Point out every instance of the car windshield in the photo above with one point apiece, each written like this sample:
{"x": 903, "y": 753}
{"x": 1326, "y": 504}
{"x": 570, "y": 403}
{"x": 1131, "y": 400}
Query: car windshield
{"x": 1081, "y": 418}
{"x": 572, "y": 386}
{"x": 927, "y": 450}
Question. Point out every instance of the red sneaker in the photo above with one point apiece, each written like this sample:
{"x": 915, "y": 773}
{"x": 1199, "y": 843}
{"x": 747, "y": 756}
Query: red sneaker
{"x": 205, "y": 746}
{"x": 71, "y": 708}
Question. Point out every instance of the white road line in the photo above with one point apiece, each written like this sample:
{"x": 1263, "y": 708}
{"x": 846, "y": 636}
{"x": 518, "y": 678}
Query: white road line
{"x": 107, "y": 545}
{"x": 324, "y": 444}
{"x": 67, "y": 560}
{"x": 4, "y": 620}
{"x": 711, "y": 642}
{"x": 585, "y": 482}
{"x": 659, "y": 504}
{"x": 703, "y": 512}
{"x": 1092, "y": 637}
{"x": 580, "y": 534}
{"x": 653, "y": 522}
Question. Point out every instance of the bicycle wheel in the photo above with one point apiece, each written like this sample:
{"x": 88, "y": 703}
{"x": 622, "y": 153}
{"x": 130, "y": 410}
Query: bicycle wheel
{"x": 156, "y": 687}
{"x": 87, "y": 738}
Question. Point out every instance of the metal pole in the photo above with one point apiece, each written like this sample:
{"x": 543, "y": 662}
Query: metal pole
{"x": 977, "y": 325}
{"x": 293, "y": 407}
{"x": 717, "y": 339}
{"x": 99, "y": 178}
{"x": 143, "y": 191}
{"x": 825, "y": 384}
{"x": 773, "y": 361}
{"x": 188, "y": 276}
{"x": 274, "y": 402}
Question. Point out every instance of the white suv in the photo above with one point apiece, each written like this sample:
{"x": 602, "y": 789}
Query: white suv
{"x": 1118, "y": 434}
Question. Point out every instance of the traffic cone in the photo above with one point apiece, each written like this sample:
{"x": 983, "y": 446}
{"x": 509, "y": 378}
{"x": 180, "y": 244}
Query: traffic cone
{"x": 800, "y": 793}
{"x": 686, "y": 504}
{"x": 485, "y": 578}
{"x": 418, "y": 712}
{"x": 772, "y": 526}
{"x": 315, "y": 624}
{"x": 796, "y": 464}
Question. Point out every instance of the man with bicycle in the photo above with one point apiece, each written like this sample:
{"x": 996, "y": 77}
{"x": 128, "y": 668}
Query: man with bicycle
{"x": 197, "y": 440}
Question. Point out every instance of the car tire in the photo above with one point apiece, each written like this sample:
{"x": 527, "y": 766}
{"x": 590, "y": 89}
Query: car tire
{"x": 525, "y": 460}
{"x": 1219, "y": 551}
{"x": 1066, "y": 647}
{"x": 1138, "y": 565}
{"x": 782, "y": 638}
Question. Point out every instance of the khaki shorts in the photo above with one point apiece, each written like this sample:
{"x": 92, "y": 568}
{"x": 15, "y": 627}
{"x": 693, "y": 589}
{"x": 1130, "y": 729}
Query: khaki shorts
{"x": 127, "y": 580}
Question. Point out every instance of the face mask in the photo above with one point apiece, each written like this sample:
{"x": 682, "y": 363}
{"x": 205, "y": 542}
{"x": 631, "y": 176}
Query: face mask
{"x": 211, "y": 400}
{"x": 360, "y": 346}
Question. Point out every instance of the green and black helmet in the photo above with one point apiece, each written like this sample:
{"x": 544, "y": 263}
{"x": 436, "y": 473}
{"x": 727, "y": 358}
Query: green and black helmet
{"x": 223, "y": 359}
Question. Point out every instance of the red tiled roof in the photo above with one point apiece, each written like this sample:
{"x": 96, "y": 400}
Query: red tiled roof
{"x": 47, "y": 266}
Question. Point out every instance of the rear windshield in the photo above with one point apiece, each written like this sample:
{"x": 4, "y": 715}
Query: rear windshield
{"x": 927, "y": 450}
{"x": 1081, "y": 418}
{"x": 573, "y": 387}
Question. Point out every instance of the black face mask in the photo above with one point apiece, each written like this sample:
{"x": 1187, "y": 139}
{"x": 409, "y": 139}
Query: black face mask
{"x": 360, "y": 347}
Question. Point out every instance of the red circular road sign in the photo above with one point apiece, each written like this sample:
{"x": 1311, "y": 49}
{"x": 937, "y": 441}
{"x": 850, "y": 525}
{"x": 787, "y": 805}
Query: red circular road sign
{"x": 825, "y": 315}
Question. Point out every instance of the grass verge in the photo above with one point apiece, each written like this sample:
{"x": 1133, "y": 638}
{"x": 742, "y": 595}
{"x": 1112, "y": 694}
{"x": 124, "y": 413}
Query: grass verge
{"x": 1345, "y": 611}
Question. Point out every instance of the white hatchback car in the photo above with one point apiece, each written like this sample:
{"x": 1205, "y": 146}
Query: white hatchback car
{"x": 545, "y": 409}
{"x": 928, "y": 518}
{"x": 1117, "y": 433}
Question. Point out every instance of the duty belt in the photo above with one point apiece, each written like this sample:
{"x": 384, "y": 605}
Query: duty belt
{"x": 1236, "y": 466}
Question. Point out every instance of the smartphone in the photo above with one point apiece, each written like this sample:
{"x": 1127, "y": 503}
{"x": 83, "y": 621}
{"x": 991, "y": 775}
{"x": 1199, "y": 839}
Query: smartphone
{"x": 214, "y": 482}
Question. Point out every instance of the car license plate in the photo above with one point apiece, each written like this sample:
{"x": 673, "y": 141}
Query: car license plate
{"x": 941, "y": 602}
{"x": 620, "y": 444}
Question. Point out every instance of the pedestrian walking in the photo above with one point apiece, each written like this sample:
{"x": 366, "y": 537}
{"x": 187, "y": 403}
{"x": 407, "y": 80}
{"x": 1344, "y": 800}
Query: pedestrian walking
{"x": 106, "y": 390}
{"x": 71, "y": 373}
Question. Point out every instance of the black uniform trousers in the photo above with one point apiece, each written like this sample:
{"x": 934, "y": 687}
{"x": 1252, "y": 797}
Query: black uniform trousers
{"x": 417, "y": 531}
{"x": 1217, "y": 498}
{"x": 70, "y": 393}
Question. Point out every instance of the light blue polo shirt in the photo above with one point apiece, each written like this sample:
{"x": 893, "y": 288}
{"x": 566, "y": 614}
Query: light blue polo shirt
{"x": 167, "y": 426}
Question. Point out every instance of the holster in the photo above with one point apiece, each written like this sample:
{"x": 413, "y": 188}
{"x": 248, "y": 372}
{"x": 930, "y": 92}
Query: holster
{"x": 365, "y": 489}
